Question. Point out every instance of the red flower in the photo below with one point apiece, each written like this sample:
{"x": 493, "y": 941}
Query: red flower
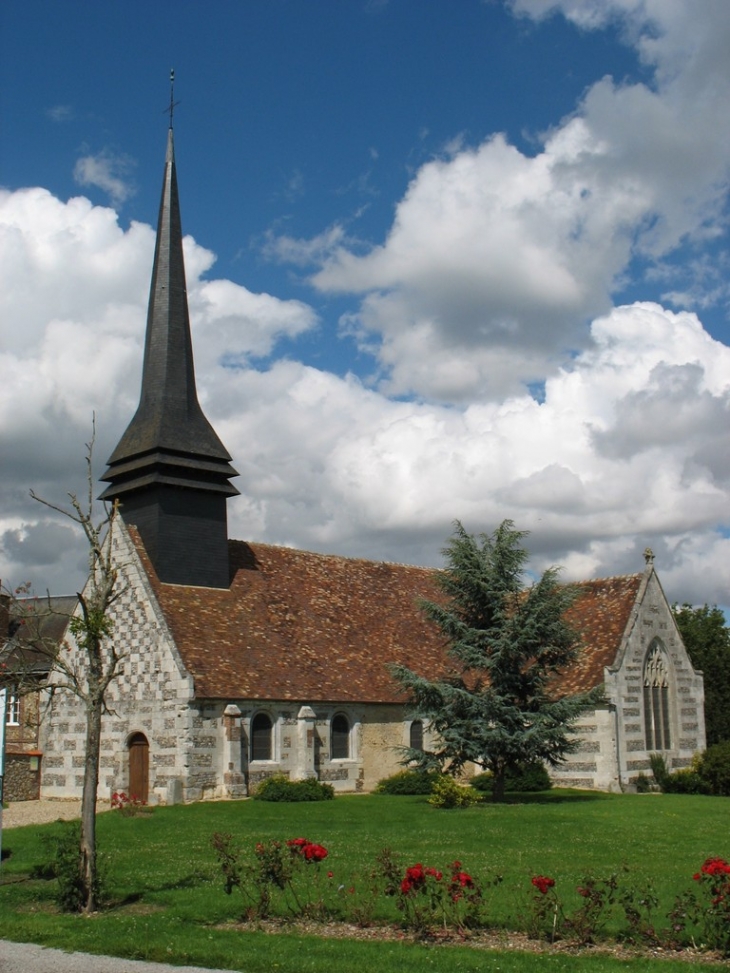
{"x": 715, "y": 866}
{"x": 308, "y": 849}
{"x": 416, "y": 874}
{"x": 415, "y": 878}
{"x": 542, "y": 883}
{"x": 314, "y": 853}
{"x": 297, "y": 842}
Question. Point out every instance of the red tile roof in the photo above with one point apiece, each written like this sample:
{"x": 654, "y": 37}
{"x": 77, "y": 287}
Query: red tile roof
{"x": 600, "y": 613}
{"x": 302, "y": 626}
{"x": 311, "y": 627}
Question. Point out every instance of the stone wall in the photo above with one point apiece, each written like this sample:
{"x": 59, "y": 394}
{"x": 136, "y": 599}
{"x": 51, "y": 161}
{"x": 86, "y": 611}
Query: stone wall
{"x": 301, "y": 746}
{"x": 594, "y": 764}
{"x": 614, "y": 748}
{"x": 22, "y": 778}
{"x": 152, "y": 695}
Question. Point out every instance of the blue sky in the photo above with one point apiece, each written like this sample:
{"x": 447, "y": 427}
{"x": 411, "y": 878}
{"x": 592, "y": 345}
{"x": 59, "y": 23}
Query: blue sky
{"x": 292, "y": 116}
{"x": 445, "y": 259}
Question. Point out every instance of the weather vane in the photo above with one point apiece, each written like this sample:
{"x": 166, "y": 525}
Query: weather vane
{"x": 173, "y": 104}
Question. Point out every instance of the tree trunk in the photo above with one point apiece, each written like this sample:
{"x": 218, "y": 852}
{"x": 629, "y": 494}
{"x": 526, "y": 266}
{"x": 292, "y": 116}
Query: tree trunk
{"x": 87, "y": 849}
{"x": 498, "y": 784}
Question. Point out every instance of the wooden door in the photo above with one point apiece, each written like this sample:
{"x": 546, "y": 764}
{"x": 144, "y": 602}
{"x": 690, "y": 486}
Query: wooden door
{"x": 139, "y": 767}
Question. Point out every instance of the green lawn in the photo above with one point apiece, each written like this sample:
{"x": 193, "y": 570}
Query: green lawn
{"x": 169, "y": 902}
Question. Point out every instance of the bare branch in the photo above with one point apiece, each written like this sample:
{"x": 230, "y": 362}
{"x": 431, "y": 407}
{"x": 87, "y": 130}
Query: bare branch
{"x": 88, "y": 663}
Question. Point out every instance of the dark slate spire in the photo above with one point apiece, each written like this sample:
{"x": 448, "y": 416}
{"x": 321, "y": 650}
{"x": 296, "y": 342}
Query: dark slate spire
{"x": 170, "y": 471}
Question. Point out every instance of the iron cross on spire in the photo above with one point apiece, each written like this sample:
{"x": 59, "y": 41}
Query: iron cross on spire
{"x": 173, "y": 104}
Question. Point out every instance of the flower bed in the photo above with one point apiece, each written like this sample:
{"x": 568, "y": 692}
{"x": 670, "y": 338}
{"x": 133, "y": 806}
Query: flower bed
{"x": 288, "y": 881}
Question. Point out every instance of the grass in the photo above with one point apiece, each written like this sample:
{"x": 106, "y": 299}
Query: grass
{"x": 169, "y": 903}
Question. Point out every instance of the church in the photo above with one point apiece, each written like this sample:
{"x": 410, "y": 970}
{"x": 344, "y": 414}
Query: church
{"x": 245, "y": 660}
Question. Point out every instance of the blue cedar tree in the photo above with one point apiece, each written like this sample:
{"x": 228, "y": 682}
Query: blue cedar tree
{"x": 507, "y": 643}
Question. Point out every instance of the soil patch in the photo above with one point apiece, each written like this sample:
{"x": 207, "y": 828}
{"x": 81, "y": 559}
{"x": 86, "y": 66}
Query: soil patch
{"x": 480, "y": 939}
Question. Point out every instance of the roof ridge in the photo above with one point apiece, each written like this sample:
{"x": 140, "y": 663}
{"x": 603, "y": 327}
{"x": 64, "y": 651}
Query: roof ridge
{"x": 332, "y": 556}
{"x": 610, "y": 577}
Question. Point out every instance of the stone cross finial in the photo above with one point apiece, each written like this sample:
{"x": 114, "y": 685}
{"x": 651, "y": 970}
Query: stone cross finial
{"x": 649, "y": 556}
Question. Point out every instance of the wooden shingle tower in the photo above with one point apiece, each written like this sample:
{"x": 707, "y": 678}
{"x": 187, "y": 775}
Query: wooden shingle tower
{"x": 170, "y": 472}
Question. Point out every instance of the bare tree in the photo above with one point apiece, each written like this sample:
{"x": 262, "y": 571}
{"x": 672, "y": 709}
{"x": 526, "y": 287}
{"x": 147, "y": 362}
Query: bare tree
{"x": 88, "y": 662}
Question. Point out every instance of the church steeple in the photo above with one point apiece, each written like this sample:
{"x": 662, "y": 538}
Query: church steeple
{"x": 170, "y": 471}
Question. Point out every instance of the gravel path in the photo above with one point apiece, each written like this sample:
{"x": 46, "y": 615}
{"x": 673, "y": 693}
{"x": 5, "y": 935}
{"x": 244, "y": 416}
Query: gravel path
{"x": 18, "y": 813}
{"x": 27, "y": 958}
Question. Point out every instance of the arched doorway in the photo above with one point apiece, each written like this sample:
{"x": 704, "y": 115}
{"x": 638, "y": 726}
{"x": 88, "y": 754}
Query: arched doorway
{"x": 139, "y": 767}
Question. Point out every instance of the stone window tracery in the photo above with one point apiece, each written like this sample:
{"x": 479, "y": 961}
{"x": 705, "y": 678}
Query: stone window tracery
{"x": 656, "y": 700}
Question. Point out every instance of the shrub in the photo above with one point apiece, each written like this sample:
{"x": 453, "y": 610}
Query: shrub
{"x": 714, "y": 768}
{"x": 713, "y": 905}
{"x": 280, "y": 788}
{"x": 528, "y": 776}
{"x": 271, "y": 878}
{"x": 685, "y": 782}
{"x": 408, "y": 782}
{"x": 62, "y": 863}
{"x": 658, "y": 768}
{"x": 446, "y": 793}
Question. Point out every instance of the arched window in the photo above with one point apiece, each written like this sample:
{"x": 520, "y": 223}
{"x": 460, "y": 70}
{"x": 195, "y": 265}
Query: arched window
{"x": 416, "y": 735}
{"x": 340, "y": 737}
{"x": 656, "y": 700}
{"x": 261, "y": 737}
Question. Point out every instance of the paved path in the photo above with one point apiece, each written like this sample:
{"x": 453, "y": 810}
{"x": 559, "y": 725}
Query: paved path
{"x": 27, "y": 958}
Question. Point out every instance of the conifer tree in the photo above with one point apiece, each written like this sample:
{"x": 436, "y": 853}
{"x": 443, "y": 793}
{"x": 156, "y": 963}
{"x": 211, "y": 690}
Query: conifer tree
{"x": 508, "y": 643}
{"x": 707, "y": 639}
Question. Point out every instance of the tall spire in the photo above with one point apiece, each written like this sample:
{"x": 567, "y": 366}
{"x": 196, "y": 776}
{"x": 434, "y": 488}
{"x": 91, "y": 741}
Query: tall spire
{"x": 170, "y": 471}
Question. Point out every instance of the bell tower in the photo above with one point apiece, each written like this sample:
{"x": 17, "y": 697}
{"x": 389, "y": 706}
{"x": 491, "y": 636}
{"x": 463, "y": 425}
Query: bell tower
{"x": 170, "y": 472}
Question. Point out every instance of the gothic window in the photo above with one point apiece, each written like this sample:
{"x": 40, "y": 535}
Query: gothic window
{"x": 12, "y": 713}
{"x": 416, "y": 735}
{"x": 340, "y": 737}
{"x": 656, "y": 700}
{"x": 262, "y": 737}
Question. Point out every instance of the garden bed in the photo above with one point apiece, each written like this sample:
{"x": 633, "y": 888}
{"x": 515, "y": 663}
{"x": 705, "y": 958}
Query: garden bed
{"x": 498, "y": 940}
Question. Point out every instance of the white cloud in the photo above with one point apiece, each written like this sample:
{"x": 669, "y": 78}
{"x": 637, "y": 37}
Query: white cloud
{"x": 496, "y": 261}
{"x": 60, "y": 113}
{"x": 73, "y": 296}
{"x": 330, "y": 465}
{"x": 108, "y": 172}
{"x": 499, "y": 270}
{"x": 625, "y": 450}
